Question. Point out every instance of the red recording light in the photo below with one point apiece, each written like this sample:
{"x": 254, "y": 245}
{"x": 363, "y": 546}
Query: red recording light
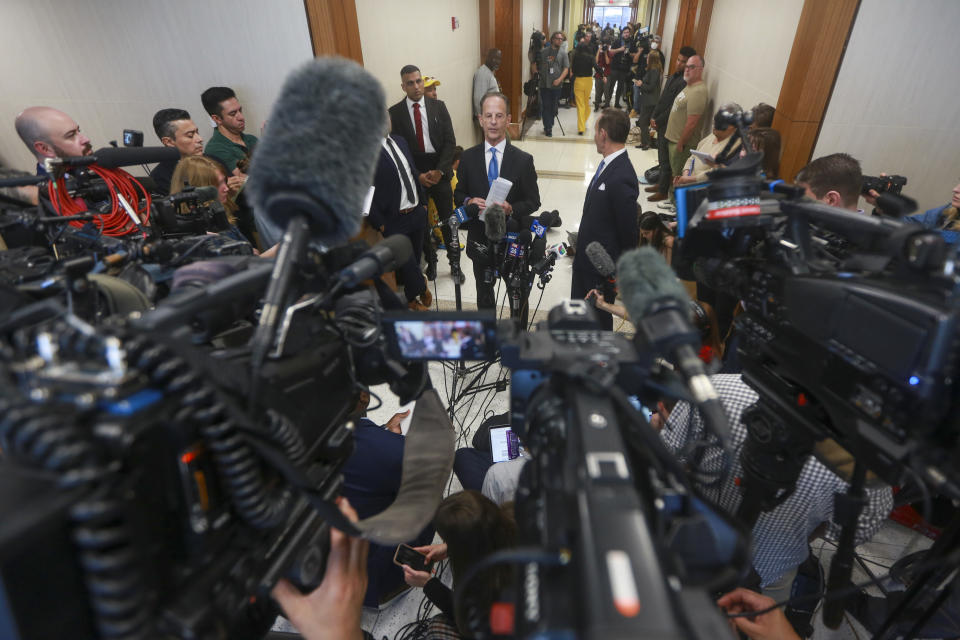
{"x": 501, "y": 618}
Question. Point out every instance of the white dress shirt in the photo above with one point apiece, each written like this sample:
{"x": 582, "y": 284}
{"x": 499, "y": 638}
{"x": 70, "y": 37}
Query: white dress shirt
{"x": 487, "y": 155}
{"x": 427, "y": 145}
{"x": 404, "y": 167}
{"x": 608, "y": 159}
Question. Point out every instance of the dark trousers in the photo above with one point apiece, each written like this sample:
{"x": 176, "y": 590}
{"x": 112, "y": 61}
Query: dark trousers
{"x": 372, "y": 478}
{"x": 620, "y": 77}
{"x": 411, "y": 225}
{"x": 644, "y": 120}
{"x": 471, "y": 466}
{"x": 442, "y": 196}
{"x": 598, "y": 86}
{"x": 413, "y": 280}
{"x": 663, "y": 156}
{"x": 548, "y": 105}
{"x": 581, "y": 284}
{"x": 486, "y": 292}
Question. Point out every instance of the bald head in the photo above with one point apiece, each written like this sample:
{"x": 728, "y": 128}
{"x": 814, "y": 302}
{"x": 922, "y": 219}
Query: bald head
{"x": 50, "y": 133}
{"x": 693, "y": 72}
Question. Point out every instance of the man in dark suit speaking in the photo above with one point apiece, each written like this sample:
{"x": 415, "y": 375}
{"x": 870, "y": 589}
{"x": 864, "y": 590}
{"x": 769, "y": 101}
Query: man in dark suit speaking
{"x": 479, "y": 167}
{"x": 609, "y": 209}
{"x": 426, "y": 126}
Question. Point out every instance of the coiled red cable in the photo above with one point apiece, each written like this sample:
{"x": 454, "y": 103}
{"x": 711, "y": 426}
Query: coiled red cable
{"x": 116, "y": 222}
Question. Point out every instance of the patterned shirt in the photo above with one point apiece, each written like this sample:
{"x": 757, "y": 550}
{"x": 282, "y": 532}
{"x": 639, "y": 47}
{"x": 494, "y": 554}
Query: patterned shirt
{"x": 780, "y": 536}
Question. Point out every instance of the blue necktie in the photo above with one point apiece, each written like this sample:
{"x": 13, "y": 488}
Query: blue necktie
{"x": 599, "y": 169}
{"x": 493, "y": 171}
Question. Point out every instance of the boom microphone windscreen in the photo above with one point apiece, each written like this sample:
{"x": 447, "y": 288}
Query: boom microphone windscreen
{"x": 319, "y": 151}
{"x": 495, "y": 222}
{"x": 113, "y": 157}
{"x": 601, "y": 260}
{"x": 644, "y": 278}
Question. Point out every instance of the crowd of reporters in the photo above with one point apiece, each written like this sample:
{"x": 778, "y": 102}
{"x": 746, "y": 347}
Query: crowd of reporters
{"x": 479, "y": 520}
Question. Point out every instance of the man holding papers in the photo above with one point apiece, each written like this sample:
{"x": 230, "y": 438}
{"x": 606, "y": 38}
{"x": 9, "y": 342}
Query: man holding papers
{"x": 482, "y": 178}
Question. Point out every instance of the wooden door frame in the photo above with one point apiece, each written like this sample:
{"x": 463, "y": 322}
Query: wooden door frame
{"x": 693, "y": 25}
{"x": 334, "y": 29}
{"x": 818, "y": 48}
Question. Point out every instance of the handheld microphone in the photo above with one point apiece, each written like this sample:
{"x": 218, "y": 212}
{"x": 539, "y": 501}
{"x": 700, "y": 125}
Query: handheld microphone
{"x": 495, "y": 222}
{"x": 518, "y": 248}
{"x": 546, "y": 263}
{"x": 380, "y": 258}
{"x": 459, "y": 216}
{"x": 464, "y": 214}
{"x": 317, "y": 157}
{"x": 601, "y": 260}
{"x": 538, "y": 249}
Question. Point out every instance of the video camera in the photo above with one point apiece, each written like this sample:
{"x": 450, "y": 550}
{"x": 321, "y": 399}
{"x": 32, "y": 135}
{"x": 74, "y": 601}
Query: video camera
{"x": 857, "y": 348}
{"x": 612, "y": 539}
{"x": 159, "y": 474}
{"x": 882, "y": 184}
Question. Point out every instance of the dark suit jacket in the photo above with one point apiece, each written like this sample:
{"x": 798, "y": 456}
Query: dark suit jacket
{"x": 385, "y": 208}
{"x": 515, "y": 166}
{"x": 441, "y": 135}
{"x": 609, "y": 214}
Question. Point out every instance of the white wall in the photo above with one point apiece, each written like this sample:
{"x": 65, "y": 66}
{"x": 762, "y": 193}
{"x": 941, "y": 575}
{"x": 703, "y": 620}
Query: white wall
{"x": 391, "y": 36}
{"x": 669, "y": 28}
{"x": 111, "y": 64}
{"x": 748, "y": 48}
{"x": 894, "y": 105}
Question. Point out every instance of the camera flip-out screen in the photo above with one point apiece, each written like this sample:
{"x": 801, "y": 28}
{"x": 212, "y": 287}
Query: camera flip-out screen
{"x": 441, "y": 335}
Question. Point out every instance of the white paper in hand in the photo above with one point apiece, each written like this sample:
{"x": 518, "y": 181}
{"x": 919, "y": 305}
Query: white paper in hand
{"x": 405, "y": 423}
{"x": 368, "y": 201}
{"x": 499, "y": 191}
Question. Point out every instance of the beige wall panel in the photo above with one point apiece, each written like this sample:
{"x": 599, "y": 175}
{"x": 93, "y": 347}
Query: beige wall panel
{"x": 111, "y": 64}
{"x": 894, "y": 105}
{"x": 393, "y": 34}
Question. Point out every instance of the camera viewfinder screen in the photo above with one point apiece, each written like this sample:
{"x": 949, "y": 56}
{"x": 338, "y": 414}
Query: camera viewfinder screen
{"x": 442, "y": 339}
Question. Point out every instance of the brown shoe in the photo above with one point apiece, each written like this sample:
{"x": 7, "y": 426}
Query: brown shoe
{"x": 652, "y": 189}
{"x": 657, "y": 197}
{"x": 633, "y": 114}
{"x": 413, "y": 305}
{"x": 426, "y": 298}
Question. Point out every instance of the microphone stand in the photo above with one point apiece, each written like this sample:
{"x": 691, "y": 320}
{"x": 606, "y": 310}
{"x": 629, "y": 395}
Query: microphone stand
{"x": 453, "y": 253}
{"x": 460, "y": 370}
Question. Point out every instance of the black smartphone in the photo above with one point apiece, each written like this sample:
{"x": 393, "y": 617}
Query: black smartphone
{"x": 408, "y": 555}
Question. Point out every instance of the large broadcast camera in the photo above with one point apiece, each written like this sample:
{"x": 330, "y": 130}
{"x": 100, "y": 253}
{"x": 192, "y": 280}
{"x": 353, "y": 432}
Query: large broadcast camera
{"x": 163, "y": 469}
{"x": 614, "y": 541}
{"x": 850, "y": 335}
{"x": 98, "y": 242}
{"x": 155, "y": 484}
